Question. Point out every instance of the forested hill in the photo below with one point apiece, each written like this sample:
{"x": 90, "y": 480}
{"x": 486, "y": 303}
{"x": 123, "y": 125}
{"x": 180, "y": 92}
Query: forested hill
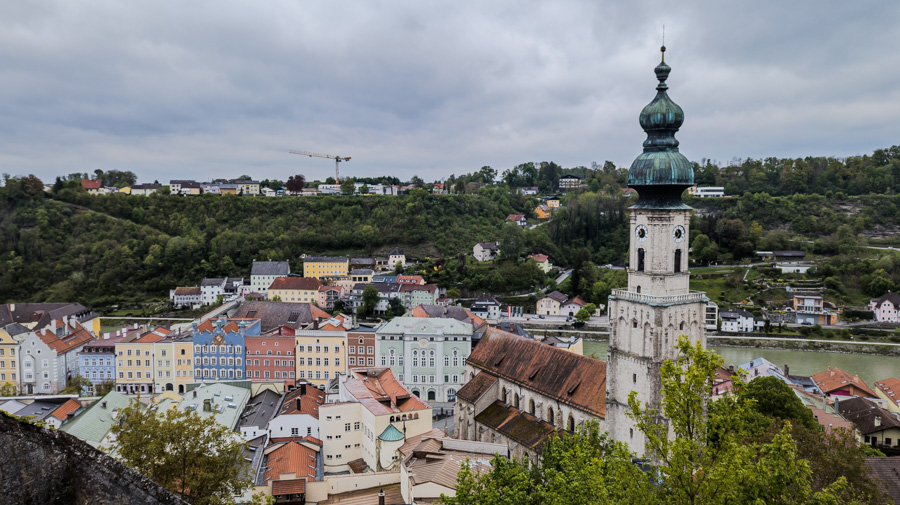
{"x": 116, "y": 248}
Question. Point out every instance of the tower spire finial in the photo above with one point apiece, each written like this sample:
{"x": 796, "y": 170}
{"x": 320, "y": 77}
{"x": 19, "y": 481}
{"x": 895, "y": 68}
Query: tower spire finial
{"x": 663, "y": 48}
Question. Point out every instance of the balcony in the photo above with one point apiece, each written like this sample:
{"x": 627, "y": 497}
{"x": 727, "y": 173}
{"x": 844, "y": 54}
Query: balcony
{"x": 691, "y": 297}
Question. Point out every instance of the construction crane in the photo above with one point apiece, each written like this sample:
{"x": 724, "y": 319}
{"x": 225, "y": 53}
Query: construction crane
{"x": 337, "y": 162}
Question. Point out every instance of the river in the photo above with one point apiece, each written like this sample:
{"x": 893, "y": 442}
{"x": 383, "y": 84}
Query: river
{"x": 869, "y": 368}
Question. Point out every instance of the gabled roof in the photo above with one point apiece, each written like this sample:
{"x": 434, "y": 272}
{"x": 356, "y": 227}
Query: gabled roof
{"x": 433, "y": 463}
{"x": 212, "y": 282}
{"x": 515, "y": 217}
{"x": 834, "y": 379}
{"x": 260, "y": 409}
{"x": 520, "y": 426}
{"x": 396, "y": 252}
{"x": 309, "y": 397}
{"x": 71, "y": 405}
{"x": 275, "y": 314}
{"x": 327, "y": 259}
{"x": 75, "y": 338}
{"x": 270, "y": 268}
{"x": 734, "y": 313}
{"x": 540, "y": 258}
{"x": 380, "y": 392}
{"x": 94, "y": 422}
{"x": 888, "y": 471}
{"x": 570, "y": 378}
{"x": 577, "y": 301}
{"x": 91, "y": 184}
{"x": 891, "y": 388}
{"x": 894, "y": 298}
{"x": 38, "y": 315}
{"x": 556, "y": 295}
{"x": 488, "y": 245}
{"x": 187, "y": 291}
{"x": 472, "y": 390}
{"x": 867, "y": 416}
{"x": 298, "y": 283}
{"x": 290, "y": 457}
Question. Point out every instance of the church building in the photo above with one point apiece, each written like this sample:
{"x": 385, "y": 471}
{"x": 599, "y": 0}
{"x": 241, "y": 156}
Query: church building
{"x": 647, "y": 317}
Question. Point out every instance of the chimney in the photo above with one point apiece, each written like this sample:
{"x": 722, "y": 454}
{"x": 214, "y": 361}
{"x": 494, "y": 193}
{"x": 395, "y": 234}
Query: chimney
{"x": 877, "y": 421}
{"x": 195, "y": 393}
{"x": 299, "y": 405}
{"x": 70, "y": 415}
{"x": 103, "y": 404}
{"x": 12, "y": 307}
{"x": 302, "y": 389}
{"x": 381, "y": 497}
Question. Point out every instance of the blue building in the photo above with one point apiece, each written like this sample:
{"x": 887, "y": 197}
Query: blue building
{"x": 97, "y": 361}
{"x": 219, "y": 348}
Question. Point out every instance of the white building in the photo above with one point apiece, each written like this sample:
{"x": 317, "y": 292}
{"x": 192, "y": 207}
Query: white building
{"x": 210, "y": 290}
{"x": 427, "y": 355}
{"x": 886, "y": 308}
{"x": 263, "y": 273}
{"x": 708, "y": 192}
{"x": 369, "y": 418}
{"x": 736, "y": 321}
{"x": 299, "y": 413}
{"x": 485, "y": 251}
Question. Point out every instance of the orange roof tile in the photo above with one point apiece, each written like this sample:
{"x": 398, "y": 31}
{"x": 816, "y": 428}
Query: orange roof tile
{"x": 77, "y": 337}
{"x": 380, "y": 392}
{"x": 71, "y": 405}
{"x": 286, "y": 487}
{"x": 91, "y": 184}
{"x": 291, "y": 457}
{"x": 835, "y": 379}
{"x": 310, "y": 399}
{"x": 891, "y": 388}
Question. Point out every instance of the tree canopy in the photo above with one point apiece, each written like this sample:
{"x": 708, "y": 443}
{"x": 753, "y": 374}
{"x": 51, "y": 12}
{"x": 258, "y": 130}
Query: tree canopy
{"x": 194, "y": 457}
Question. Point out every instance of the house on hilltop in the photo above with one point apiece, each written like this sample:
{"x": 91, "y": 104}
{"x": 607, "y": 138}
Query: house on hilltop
{"x": 485, "y": 251}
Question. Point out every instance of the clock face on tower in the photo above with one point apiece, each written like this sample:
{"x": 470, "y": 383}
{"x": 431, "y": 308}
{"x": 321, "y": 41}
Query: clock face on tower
{"x": 678, "y": 233}
{"x": 641, "y": 233}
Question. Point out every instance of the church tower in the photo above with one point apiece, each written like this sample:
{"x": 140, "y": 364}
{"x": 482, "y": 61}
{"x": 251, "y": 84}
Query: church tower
{"x": 658, "y": 306}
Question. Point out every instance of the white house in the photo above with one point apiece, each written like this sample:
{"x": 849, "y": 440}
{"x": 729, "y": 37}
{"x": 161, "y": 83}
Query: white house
{"x": 708, "y": 191}
{"x": 736, "y": 321}
{"x": 396, "y": 256}
{"x": 486, "y": 307}
{"x": 190, "y": 296}
{"x": 299, "y": 413}
{"x": 263, "y": 273}
{"x": 485, "y": 251}
{"x": 886, "y": 307}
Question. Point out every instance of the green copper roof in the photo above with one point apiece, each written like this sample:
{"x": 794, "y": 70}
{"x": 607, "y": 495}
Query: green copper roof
{"x": 93, "y": 423}
{"x": 391, "y": 434}
{"x": 661, "y": 173}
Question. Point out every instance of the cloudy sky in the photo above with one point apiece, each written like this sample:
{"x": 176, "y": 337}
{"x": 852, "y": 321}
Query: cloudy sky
{"x": 207, "y": 89}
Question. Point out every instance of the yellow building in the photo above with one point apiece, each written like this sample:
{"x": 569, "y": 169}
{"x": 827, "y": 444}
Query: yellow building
{"x": 542, "y": 211}
{"x": 247, "y": 187}
{"x": 295, "y": 289}
{"x": 174, "y": 364}
{"x": 136, "y": 363}
{"x": 325, "y": 266}
{"x": 553, "y": 203}
{"x": 321, "y": 355}
{"x": 9, "y": 360}
{"x": 889, "y": 389}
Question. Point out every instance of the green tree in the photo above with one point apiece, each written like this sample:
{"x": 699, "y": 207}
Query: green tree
{"x": 75, "y": 385}
{"x": 347, "y": 186}
{"x": 104, "y": 387}
{"x": 703, "y": 449}
{"x": 370, "y": 299}
{"x": 194, "y": 457}
{"x": 454, "y": 293}
{"x": 572, "y": 470}
{"x": 9, "y": 389}
{"x": 773, "y": 399}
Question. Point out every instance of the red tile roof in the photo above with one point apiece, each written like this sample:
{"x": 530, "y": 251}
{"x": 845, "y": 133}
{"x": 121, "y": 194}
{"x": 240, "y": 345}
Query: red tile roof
{"x": 71, "y": 405}
{"x": 540, "y": 258}
{"x": 298, "y": 283}
{"x": 288, "y": 487}
{"x": 835, "y": 379}
{"x": 187, "y": 291}
{"x": 380, "y": 392}
{"x": 569, "y": 378}
{"x": 91, "y": 184}
{"x": 515, "y": 217}
{"x": 310, "y": 399}
{"x": 891, "y": 388}
{"x": 290, "y": 457}
{"x": 75, "y": 339}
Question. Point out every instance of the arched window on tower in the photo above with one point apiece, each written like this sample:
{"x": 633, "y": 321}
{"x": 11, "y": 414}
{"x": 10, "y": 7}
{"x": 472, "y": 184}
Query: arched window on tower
{"x": 531, "y": 407}
{"x": 640, "y": 265}
{"x": 677, "y": 261}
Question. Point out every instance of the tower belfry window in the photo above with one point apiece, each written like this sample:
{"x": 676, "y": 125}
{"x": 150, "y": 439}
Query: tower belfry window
{"x": 640, "y": 265}
{"x": 677, "y": 261}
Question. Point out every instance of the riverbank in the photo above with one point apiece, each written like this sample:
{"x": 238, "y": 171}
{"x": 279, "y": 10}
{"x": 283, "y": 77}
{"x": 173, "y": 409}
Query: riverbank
{"x": 754, "y": 342}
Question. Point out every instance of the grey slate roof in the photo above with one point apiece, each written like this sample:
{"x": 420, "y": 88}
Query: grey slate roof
{"x": 212, "y": 282}
{"x": 40, "y": 313}
{"x": 261, "y": 409}
{"x": 270, "y": 268}
{"x": 275, "y": 314}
